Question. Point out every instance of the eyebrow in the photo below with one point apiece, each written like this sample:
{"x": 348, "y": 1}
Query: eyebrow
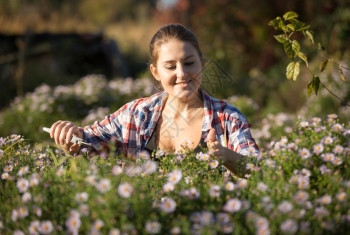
{"x": 170, "y": 61}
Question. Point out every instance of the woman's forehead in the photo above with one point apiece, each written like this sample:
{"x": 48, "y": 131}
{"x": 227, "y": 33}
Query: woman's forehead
{"x": 175, "y": 49}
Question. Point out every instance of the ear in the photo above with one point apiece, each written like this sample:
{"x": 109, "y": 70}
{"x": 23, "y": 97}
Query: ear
{"x": 154, "y": 71}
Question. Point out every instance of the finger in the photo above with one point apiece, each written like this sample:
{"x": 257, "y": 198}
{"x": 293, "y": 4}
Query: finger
{"x": 71, "y": 131}
{"x": 74, "y": 148}
{"x": 211, "y": 135}
{"x": 56, "y": 129}
{"x": 63, "y": 136}
{"x": 53, "y": 128}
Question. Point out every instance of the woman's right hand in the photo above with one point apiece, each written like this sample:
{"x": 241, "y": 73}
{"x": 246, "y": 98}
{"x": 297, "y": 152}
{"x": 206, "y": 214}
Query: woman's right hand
{"x": 62, "y": 132}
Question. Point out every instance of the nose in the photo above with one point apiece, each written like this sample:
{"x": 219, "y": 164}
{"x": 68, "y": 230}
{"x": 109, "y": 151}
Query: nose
{"x": 180, "y": 71}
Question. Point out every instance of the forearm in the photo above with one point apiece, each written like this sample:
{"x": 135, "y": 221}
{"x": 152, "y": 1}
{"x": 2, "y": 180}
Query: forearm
{"x": 235, "y": 162}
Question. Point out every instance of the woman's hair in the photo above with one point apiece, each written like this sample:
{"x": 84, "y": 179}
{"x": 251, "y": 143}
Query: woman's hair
{"x": 168, "y": 32}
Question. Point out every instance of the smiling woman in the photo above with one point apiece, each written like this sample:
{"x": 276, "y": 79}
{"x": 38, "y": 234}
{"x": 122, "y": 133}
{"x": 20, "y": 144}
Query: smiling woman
{"x": 182, "y": 115}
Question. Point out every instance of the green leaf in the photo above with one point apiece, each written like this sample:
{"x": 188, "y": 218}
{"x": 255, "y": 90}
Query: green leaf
{"x": 309, "y": 88}
{"x": 292, "y": 48}
{"x": 316, "y": 83}
{"x": 310, "y": 36}
{"x": 282, "y": 38}
{"x": 277, "y": 23}
{"x": 290, "y": 15}
{"x": 313, "y": 85}
{"x": 291, "y": 27}
{"x": 293, "y": 70}
{"x": 302, "y": 56}
{"x": 298, "y": 25}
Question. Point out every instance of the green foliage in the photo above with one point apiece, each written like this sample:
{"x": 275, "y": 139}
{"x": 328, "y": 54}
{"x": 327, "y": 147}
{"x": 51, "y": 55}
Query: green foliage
{"x": 289, "y": 25}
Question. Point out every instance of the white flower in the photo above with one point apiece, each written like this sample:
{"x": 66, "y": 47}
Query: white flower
{"x": 84, "y": 209}
{"x": 117, "y": 170}
{"x": 26, "y": 197}
{"x": 175, "y": 176}
{"x": 73, "y": 222}
{"x": 328, "y": 140}
{"x": 133, "y": 170}
{"x": 327, "y": 157}
{"x": 262, "y": 224}
{"x": 304, "y": 124}
{"x": 23, "y": 170}
{"x": 321, "y": 212}
{"x": 8, "y": 168}
{"x": 91, "y": 179}
{"x": 301, "y": 197}
{"x": 285, "y": 207}
{"x": 270, "y": 163}
{"x": 229, "y": 186}
{"x": 149, "y": 167}
{"x": 167, "y": 205}
{"x": 37, "y": 211}
{"x": 4, "y": 176}
{"x": 125, "y": 190}
{"x": 341, "y": 196}
{"x": 168, "y": 187}
{"x": 152, "y": 227}
{"x": 104, "y": 185}
{"x": 114, "y": 231}
{"x": 232, "y": 205}
{"x": 214, "y": 191}
{"x": 242, "y": 183}
{"x": 22, "y": 212}
{"x": 337, "y": 161}
{"x": 97, "y": 225}
{"x": 144, "y": 155}
{"x": 337, "y": 127}
{"x": 18, "y": 232}
{"x": 318, "y": 148}
{"x": 34, "y": 227}
{"x": 338, "y": 149}
{"x": 60, "y": 172}
{"x": 214, "y": 164}
{"x": 22, "y": 185}
{"x": 304, "y": 153}
{"x": 202, "y": 156}
{"x": 34, "y": 180}
{"x": 175, "y": 230}
{"x": 188, "y": 180}
{"x": 193, "y": 193}
{"x": 262, "y": 187}
{"x": 289, "y": 226}
{"x": 222, "y": 218}
{"x": 46, "y": 227}
{"x": 325, "y": 200}
{"x": 81, "y": 197}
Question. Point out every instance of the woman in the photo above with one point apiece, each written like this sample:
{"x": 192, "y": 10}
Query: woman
{"x": 181, "y": 114}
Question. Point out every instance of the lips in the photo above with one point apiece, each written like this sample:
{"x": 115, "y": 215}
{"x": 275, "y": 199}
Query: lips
{"x": 183, "y": 82}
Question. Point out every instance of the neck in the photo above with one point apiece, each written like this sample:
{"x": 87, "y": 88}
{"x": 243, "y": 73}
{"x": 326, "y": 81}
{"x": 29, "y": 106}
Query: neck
{"x": 184, "y": 108}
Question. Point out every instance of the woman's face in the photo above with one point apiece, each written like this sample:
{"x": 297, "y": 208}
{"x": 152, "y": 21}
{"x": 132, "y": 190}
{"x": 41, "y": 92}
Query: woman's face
{"x": 178, "y": 69}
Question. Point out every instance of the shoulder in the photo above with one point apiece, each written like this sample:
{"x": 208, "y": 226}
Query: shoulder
{"x": 225, "y": 109}
{"x": 152, "y": 102}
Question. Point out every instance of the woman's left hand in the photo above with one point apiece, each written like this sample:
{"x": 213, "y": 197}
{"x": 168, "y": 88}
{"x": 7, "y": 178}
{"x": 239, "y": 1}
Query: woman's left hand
{"x": 216, "y": 148}
{"x": 231, "y": 159}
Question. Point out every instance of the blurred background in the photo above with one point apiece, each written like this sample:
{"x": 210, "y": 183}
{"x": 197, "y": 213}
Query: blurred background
{"x": 65, "y": 43}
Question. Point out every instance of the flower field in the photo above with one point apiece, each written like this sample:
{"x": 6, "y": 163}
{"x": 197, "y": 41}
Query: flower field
{"x": 299, "y": 185}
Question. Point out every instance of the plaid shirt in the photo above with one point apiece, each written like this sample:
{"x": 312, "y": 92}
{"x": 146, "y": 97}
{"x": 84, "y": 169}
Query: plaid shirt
{"x": 133, "y": 124}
